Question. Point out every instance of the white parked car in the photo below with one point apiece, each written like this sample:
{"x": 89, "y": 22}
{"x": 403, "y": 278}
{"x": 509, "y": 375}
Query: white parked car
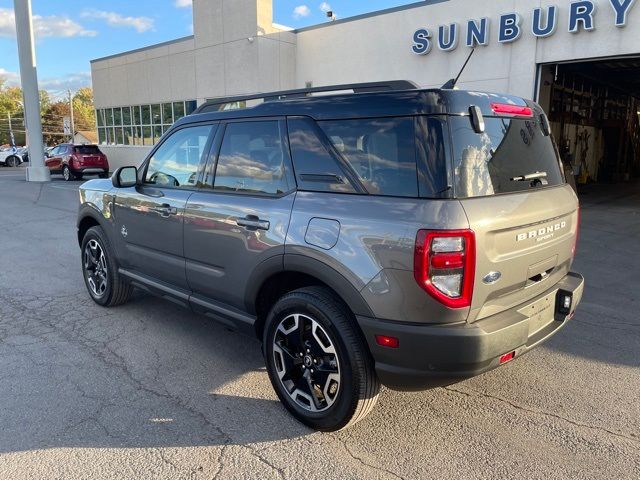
{"x": 10, "y": 157}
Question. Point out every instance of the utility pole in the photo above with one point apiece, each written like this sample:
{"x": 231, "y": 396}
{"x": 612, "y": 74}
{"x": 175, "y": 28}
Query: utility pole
{"x": 73, "y": 128}
{"x": 36, "y": 172}
{"x": 13, "y": 139}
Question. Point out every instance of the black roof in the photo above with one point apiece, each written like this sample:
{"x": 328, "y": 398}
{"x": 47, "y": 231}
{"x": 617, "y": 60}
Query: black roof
{"x": 362, "y": 103}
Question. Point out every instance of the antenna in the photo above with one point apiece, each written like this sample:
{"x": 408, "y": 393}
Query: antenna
{"x": 451, "y": 84}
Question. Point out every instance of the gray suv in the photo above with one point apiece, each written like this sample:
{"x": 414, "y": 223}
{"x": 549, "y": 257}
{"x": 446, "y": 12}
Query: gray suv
{"x": 379, "y": 234}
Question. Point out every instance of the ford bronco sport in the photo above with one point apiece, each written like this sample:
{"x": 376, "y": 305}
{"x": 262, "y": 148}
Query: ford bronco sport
{"x": 382, "y": 235}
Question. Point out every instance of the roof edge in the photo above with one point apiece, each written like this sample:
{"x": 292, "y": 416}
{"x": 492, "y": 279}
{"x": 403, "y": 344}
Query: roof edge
{"x": 142, "y": 49}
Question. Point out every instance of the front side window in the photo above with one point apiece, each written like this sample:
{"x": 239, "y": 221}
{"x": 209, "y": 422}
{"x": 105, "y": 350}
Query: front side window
{"x": 252, "y": 159}
{"x": 381, "y": 151}
{"x": 175, "y": 163}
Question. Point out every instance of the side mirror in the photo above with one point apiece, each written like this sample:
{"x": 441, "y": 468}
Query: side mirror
{"x": 125, "y": 177}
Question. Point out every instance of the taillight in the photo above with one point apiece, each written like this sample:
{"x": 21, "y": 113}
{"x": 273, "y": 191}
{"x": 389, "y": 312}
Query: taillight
{"x": 445, "y": 264}
{"x": 511, "y": 110}
{"x": 575, "y": 243}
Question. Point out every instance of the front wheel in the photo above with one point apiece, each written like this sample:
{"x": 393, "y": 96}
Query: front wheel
{"x": 100, "y": 270}
{"x": 13, "y": 161}
{"x": 317, "y": 361}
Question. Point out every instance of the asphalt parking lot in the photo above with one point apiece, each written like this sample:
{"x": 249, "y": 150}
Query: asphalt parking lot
{"x": 149, "y": 390}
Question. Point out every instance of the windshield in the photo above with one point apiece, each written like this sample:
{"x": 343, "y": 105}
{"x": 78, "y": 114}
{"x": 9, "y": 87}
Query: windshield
{"x": 512, "y": 155}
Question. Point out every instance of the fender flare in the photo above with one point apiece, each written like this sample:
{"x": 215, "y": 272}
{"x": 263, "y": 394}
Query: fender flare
{"x": 89, "y": 211}
{"x": 312, "y": 267}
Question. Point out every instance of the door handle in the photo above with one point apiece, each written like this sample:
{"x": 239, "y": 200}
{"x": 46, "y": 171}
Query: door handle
{"x": 251, "y": 222}
{"x": 165, "y": 210}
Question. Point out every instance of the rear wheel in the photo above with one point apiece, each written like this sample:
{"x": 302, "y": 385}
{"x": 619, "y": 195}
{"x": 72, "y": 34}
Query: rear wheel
{"x": 66, "y": 173}
{"x": 317, "y": 361}
{"x": 100, "y": 270}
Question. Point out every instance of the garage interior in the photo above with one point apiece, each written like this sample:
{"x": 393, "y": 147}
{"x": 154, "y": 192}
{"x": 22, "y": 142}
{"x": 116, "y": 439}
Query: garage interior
{"x": 594, "y": 110}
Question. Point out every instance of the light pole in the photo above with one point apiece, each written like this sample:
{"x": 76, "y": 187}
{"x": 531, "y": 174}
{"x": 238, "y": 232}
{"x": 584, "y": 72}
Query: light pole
{"x": 73, "y": 127}
{"x": 36, "y": 172}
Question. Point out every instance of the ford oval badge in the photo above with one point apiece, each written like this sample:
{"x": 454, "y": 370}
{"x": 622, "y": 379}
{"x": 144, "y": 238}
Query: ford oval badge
{"x": 492, "y": 277}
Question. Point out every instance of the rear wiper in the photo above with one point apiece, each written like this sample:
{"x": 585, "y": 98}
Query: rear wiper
{"x": 529, "y": 177}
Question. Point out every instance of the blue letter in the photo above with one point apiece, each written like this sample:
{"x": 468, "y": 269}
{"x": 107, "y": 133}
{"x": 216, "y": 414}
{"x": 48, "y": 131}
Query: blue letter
{"x": 509, "y": 27}
{"x": 621, "y": 7}
{"x": 421, "y": 42}
{"x": 581, "y": 13}
{"x": 448, "y": 42}
{"x": 537, "y": 28}
{"x": 478, "y": 35}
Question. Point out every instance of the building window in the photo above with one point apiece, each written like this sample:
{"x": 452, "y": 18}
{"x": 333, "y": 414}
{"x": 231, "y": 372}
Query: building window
{"x": 139, "y": 124}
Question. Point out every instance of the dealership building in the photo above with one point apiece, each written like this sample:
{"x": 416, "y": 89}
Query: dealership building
{"x": 579, "y": 59}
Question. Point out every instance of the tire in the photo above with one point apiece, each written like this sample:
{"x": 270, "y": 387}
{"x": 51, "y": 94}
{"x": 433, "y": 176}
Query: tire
{"x": 13, "y": 161}
{"x": 98, "y": 258}
{"x": 311, "y": 339}
{"x": 67, "y": 174}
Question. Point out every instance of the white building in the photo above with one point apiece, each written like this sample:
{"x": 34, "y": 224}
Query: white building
{"x": 579, "y": 59}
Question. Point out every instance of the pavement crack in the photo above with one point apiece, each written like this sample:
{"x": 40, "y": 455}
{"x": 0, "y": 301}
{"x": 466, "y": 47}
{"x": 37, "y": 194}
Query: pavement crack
{"x": 367, "y": 464}
{"x": 542, "y": 413}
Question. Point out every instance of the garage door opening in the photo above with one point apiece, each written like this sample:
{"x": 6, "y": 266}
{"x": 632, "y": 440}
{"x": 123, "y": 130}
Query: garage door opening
{"x": 594, "y": 109}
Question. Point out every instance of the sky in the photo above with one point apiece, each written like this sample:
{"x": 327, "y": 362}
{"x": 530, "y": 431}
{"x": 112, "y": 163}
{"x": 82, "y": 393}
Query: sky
{"x": 70, "y": 33}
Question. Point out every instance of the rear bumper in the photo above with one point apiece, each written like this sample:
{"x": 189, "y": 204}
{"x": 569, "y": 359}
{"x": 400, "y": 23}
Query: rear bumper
{"x": 437, "y": 355}
{"x": 90, "y": 170}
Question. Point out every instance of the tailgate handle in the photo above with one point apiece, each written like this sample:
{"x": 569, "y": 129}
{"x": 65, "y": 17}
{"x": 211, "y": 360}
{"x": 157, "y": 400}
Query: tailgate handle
{"x": 541, "y": 276}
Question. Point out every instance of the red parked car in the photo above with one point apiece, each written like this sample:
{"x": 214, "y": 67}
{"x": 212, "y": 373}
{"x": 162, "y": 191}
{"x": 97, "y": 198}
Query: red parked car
{"x": 75, "y": 161}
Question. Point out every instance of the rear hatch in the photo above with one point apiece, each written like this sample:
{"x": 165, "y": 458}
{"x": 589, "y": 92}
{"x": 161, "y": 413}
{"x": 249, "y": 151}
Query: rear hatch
{"x": 508, "y": 178}
{"x": 89, "y": 155}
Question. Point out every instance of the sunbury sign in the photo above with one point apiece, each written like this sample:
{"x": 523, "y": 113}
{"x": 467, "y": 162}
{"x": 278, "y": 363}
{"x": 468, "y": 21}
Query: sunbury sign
{"x": 582, "y": 16}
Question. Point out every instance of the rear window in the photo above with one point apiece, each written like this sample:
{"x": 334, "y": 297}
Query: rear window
{"x": 496, "y": 161}
{"x": 87, "y": 150}
{"x": 381, "y": 151}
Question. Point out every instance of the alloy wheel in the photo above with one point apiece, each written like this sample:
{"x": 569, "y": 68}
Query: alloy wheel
{"x": 66, "y": 173}
{"x": 95, "y": 268}
{"x": 306, "y": 362}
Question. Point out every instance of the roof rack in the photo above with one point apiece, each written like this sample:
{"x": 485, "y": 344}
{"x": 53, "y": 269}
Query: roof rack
{"x": 219, "y": 104}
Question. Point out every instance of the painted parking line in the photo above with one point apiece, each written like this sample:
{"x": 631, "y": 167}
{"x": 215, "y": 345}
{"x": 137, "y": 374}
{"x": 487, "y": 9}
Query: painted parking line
{"x": 66, "y": 187}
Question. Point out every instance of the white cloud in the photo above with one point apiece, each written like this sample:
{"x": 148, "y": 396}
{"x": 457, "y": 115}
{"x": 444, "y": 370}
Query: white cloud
{"x": 49, "y": 26}
{"x": 325, "y": 7}
{"x": 72, "y": 82}
{"x": 182, "y": 3}
{"x": 54, "y": 85}
{"x": 301, "y": 11}
{"x": 12, "y": 78}
{"x": 113, "y": 19}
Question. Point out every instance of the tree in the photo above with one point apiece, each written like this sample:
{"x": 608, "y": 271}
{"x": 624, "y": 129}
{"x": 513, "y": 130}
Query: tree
{"x": 83, "y": 110}
{"x": 52, "y": 114}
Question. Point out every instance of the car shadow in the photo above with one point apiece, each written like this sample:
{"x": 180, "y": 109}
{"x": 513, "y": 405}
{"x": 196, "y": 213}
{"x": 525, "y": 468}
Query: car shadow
{"x": 145, "y": 375}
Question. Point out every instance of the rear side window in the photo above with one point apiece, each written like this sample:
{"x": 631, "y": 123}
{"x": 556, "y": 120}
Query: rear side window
{"x": 316, "y": 168}
{"x": 87, "y": 150}
{"x": 252, "y": 159}
{"x": 497, "y": 161}
{"x": 381, "y": 151}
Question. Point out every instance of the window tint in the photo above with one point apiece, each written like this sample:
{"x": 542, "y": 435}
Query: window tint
{"x": 251, "y": 159}
{"x": 381, "y": 151}
{"x": 316, "y": 169}
{"x": 87, "y": 150}
{"x": 489, "y": 163}
{"x": 175, "y": 163}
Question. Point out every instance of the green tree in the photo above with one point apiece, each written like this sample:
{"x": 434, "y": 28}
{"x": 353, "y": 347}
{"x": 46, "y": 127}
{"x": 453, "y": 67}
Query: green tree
{"x": 11, "y": 105}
